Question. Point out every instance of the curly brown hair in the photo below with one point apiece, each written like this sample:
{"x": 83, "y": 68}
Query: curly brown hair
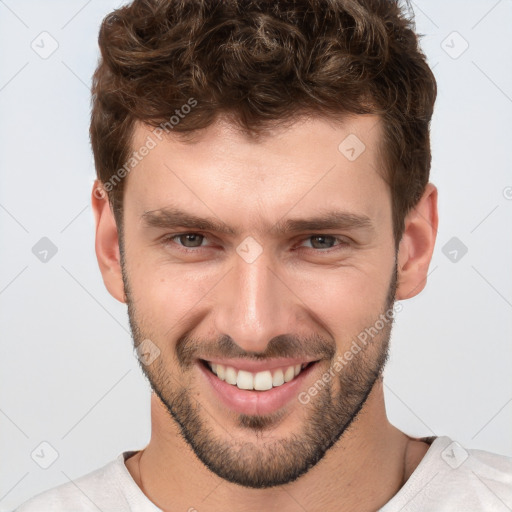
{"x": 262, "y": 63}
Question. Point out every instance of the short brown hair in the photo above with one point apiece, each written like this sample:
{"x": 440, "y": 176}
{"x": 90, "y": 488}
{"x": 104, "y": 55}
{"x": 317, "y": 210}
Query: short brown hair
{"x": 259, "y": 63}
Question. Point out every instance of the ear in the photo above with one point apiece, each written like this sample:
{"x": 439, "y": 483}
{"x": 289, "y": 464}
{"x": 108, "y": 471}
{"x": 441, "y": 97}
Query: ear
{"x": 107, "y": 243}
{"x": 417, "y": 245}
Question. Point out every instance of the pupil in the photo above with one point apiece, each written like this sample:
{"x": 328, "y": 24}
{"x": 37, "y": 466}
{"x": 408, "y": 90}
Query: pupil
{"x": 191, "y": 238}
{"x": 321, "y": 238}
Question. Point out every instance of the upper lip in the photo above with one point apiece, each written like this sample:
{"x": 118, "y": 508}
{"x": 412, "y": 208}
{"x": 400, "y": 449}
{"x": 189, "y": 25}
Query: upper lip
{"x": 260, "y": 366}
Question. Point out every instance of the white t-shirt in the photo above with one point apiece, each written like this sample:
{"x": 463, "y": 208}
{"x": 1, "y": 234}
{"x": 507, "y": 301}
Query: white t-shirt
{"x": 449, "y": 478}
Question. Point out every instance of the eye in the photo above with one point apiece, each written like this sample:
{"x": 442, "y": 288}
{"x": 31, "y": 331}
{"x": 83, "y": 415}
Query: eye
{"x": 191, "y": 242}
{"x": 186, "y": 240}
{"x": 323, "y": 242}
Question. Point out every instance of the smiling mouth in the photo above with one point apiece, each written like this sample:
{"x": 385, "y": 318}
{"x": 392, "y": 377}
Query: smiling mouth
{"x": 257, "y": 381}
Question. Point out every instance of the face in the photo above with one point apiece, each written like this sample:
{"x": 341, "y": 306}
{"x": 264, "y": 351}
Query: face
{"x": 250, "y": 269}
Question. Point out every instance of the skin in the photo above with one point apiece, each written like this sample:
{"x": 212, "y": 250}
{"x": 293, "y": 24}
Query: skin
{"x": 292, "y": 288}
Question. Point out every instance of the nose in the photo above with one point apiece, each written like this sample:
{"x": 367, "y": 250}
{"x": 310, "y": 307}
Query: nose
{"x": 255, "y": 304}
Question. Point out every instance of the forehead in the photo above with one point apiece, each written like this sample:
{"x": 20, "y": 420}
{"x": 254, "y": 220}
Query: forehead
{"x": 310, "y": 164}
{"x": 359, "y": 132}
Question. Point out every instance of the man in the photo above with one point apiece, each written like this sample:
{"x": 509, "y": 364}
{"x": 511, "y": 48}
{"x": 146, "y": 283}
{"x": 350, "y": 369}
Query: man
{"x": 262, "y": 201}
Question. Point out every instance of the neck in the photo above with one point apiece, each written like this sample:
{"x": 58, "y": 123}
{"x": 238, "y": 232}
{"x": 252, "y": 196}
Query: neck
{"x": 371, "y": 462}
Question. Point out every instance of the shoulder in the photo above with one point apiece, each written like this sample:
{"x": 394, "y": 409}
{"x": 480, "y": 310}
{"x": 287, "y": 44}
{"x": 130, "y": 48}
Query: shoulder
{"x": 451, "y": 477}
{"x": 97, "y": 490}
{"x": 467, "y": 463}
{"x": 475, "y": 478}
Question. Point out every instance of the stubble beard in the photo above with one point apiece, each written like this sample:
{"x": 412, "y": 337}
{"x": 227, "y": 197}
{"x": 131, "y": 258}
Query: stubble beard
{"x": 263, "y": 461}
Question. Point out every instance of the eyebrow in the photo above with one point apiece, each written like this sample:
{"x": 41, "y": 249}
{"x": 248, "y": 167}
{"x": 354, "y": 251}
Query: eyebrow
{"x": 171, "y": 218}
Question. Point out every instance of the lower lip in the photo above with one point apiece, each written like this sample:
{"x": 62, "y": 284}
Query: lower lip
{"x": 255, "y": 402}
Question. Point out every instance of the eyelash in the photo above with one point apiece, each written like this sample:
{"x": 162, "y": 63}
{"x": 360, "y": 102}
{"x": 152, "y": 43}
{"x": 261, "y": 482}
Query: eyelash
{"x": 342, "y": 242}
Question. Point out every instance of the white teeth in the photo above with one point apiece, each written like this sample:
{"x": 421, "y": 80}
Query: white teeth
{"x": 221, "y": 371}
{"x": 230, "y": 375}
{"x": 245, "y": 380}
{"x": 289, "y": 373}
{"x": 278, "y": 378}
{"x": 260, "y": 381}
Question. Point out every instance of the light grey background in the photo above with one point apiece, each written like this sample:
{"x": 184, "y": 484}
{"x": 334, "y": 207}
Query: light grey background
{"x": 68, "y": 373}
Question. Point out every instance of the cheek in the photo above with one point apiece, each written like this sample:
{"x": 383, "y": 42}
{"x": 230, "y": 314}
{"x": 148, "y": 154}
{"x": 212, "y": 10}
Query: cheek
{"x": 346, "y": 299}
{"x": 164, "y": 295}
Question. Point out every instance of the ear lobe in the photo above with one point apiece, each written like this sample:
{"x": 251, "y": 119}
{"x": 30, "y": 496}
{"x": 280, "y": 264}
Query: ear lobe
{"x": 107, "y": 243}
{"x": 417, "y": 245}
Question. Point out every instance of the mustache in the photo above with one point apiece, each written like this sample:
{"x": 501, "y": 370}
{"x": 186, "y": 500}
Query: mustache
{"x": 189, "y": 349}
